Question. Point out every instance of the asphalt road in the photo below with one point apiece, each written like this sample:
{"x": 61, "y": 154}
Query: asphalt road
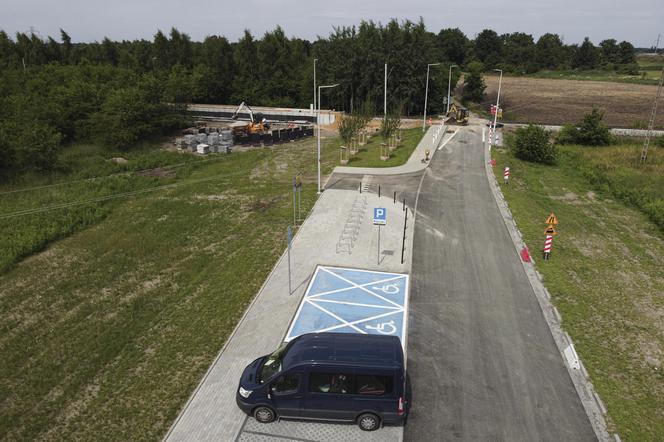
{"x": 481, "y": 358}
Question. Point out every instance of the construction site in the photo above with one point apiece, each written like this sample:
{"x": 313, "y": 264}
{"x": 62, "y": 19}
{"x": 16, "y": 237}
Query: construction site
{"x": 219, "y": 128}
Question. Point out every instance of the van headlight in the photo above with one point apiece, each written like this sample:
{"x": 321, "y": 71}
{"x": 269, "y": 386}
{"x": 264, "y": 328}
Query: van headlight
{"x": 244, "y": 393}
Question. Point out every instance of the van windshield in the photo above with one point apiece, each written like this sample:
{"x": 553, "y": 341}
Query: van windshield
{"x": 272, "y": 364}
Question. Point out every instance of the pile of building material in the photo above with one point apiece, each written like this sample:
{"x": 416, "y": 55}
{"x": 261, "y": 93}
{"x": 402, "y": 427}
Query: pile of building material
{"x": 214, "y": 142}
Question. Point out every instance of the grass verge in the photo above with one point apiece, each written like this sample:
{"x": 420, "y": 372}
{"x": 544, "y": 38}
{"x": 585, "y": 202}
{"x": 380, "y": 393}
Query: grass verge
{"x": 605, "y": 277}
{"x": 369, "y": 154}
{"x": 105, "y": 333}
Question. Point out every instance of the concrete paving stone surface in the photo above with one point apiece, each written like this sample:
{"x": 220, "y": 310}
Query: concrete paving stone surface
{"x": 211, "y": 413}
{"x": 314, "y": 432}
{"x": 493, "y": 371}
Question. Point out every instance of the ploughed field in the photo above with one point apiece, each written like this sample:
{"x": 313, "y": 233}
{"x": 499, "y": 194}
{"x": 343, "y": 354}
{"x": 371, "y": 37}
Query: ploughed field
{"x": 559, "y": 101}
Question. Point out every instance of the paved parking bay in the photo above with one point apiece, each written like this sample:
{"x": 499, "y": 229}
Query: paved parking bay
{"x": 300, "y": 431}
{"x": 345, "y": 300}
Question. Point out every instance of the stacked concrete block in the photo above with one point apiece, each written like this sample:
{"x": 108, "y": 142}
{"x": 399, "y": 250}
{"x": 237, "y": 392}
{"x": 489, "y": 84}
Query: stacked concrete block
{"x": 226, "y": 141}
{"x": 190, "y": 142}
{"x": 201, "y": 138}
{"x": 203, "y": 149}
{"x": 213, "y": 141}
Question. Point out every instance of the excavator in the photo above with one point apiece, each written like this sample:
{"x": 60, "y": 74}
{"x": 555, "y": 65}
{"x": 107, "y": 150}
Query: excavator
{"x": 457, "y": 115}
{"x": 255, "y": 125}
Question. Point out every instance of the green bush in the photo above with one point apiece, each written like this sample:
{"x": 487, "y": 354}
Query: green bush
{"x": 532, "y": 144}
{"x": 473, "y": 84}
{"x": 591, "y": 131}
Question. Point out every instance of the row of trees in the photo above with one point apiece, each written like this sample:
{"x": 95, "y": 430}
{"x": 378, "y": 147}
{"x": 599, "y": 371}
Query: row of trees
{"x": 53, "y": 91}
{"x": 41, "y": 110}
{"x": 519, "y": 53}
{"x": 277, "y": 70}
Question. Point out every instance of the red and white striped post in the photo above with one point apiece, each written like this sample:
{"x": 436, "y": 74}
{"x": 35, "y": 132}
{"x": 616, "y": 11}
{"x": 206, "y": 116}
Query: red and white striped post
{"x": 506, "y": 175}
{"x": 548, "y": 244}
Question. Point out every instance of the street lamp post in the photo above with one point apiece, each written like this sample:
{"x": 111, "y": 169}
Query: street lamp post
{"x": 315, "y": 60}
{"x": 449, "y": 84}
{"x": 495, "y": 116}
{"x": 426, "y": 96}
{"x": 318, "y": 124}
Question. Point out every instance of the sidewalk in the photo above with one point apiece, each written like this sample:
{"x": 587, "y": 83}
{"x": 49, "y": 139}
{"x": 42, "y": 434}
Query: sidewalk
{"x": 211, "y": 413}
{"x": 430, "y": 141}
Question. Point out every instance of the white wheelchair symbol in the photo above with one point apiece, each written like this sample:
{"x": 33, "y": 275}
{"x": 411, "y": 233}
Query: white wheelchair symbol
{"x": 389, "y": 289}
{"x": 380, "y": 328}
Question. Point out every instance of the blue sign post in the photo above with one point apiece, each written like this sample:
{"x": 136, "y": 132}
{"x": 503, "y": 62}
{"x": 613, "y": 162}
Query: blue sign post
{"x": 379, "y": 219}
{"x": 380, "y": 216}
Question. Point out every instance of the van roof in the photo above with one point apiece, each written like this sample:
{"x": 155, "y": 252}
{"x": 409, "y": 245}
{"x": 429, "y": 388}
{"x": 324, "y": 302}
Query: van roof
{"x": 345, "y": 349}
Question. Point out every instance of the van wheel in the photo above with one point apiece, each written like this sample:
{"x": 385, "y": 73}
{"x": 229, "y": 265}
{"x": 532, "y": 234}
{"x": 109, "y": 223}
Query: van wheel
{"x": 264, "y": 415}
{"x": 368, "y": 422}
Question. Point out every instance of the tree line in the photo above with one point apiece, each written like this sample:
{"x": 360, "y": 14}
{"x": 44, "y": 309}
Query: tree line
{"x": 53, "y": 92}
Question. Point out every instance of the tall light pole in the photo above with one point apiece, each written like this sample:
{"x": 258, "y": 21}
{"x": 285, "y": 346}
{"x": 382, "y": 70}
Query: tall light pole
{"x": 385, "y": 95}
{"x": 495, "y": 116}
{"x": 426, "y": 96}
{"x": 318, "y": 124}
{"x": 449, "y": 84}
{"x": 315, "y": 60}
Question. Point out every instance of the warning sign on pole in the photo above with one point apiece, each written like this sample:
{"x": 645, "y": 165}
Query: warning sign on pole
{"x": 550, "y": 230}
{"x": 548, "y": 244}
{"x": 552, "y": 219}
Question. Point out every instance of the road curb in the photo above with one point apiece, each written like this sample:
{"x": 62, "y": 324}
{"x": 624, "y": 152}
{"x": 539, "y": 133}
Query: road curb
{"x": 589, "y": 398}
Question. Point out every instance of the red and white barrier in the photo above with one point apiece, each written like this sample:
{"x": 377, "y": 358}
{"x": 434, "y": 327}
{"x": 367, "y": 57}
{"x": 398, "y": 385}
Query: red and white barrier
{"x": 548, "y": 244}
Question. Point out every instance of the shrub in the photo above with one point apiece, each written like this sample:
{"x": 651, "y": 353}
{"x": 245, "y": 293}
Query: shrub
{"x": 532, "y": 144}
{"x": 591, "y": 131}
{"x": 390, "y": 125}
{"x": 473, "y": 84}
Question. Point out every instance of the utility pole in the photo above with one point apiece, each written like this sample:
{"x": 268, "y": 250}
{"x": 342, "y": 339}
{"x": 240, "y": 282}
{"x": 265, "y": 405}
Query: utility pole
{"x": 385, "y": 95}
{"x": 318, "y": 124}
{"x": 651, "y": 123}
{"x": 315, "y": 60}
{"x": 495, "y": 117}
{"x": 449, "y": 84}
{"x": 426, "y": 96}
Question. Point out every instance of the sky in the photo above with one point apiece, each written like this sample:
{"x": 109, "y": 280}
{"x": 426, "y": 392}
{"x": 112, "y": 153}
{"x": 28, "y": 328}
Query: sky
{"x": 637, "y": 21}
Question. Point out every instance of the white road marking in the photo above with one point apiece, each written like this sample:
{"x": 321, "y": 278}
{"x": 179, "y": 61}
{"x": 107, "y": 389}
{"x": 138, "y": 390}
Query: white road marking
{"x": 338, "y": 318}
{"x": 483, "y": 135}
{"x": 352, "y": 324}
{"x": 352, "y": 287}
{"x": 362, "y": 288}
{"x": 352, "y": 303}
{"x": 446, "y": 141}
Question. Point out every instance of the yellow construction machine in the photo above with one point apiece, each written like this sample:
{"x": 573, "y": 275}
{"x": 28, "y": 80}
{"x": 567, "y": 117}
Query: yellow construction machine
{"x": 257, "y": 125}
{"x": 457, "y": 115}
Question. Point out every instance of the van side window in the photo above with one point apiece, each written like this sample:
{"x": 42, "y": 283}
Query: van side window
{"x": 374, "y": 385}
{"x": 339, "y": 383}
{"x": 286, "y": 384}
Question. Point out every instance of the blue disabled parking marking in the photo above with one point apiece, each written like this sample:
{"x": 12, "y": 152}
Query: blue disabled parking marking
{"x": 345, "y": 300}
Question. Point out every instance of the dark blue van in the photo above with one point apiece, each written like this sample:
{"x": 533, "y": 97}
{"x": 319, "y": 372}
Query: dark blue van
{"x": 342, "y": 377}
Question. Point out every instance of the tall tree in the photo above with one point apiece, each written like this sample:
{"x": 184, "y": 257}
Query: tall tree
{"x": 586, "y": 56}
{"x": 488, "y": 48}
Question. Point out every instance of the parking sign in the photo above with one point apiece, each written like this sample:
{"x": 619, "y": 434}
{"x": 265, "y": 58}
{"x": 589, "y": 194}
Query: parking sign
{"x": 380, "y": 216}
